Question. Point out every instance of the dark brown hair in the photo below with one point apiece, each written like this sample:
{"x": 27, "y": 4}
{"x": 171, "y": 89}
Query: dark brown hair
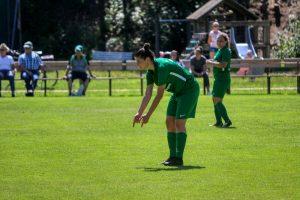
{"x": 145, "y": 52}
{"x": 226, "y": 38}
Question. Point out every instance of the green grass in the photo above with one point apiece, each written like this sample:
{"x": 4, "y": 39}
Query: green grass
{"x": 85, "y": 148}
{"x": 131, "y": 87}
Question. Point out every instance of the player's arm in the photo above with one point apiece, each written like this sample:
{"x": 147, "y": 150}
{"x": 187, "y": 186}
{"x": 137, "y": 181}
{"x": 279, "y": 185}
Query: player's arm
{"x": 217, "y": 64}
{"x": 160, "y": 93}
{"x": 143, "y": 106}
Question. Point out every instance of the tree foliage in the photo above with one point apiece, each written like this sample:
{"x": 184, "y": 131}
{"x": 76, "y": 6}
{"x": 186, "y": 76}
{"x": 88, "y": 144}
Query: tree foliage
{"x": 56, "y": 26}
{"x": 289, "y": 41}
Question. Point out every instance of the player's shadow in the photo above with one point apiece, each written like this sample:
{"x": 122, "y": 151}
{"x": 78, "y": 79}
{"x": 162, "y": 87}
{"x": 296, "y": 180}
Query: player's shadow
{"x": 158, "y": 169}
{"x": 230, "y": 127}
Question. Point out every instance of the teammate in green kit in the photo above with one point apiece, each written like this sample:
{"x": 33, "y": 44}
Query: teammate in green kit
{"x": 221, "y": 70}
{"x": 169, "y": 76}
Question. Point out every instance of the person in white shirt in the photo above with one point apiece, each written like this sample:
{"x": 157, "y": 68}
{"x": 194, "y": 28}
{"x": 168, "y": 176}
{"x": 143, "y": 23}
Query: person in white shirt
{"x": 212, "y": 39}
{"x": 7, "y": 68}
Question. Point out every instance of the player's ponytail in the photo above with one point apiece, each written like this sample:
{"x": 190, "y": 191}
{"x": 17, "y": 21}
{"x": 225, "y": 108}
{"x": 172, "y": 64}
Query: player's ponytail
{"x": 145, "y": 52}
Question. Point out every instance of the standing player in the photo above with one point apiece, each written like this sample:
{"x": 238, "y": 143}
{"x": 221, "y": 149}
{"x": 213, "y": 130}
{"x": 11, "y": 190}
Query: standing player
{"x": 78, "y": 66}
{"x": 170, "y": 76}
{"x": 221, "y": 70}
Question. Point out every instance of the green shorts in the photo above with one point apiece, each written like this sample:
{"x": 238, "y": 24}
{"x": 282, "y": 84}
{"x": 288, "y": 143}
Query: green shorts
{"x": 220, "y": 88}
{"x": 184, "y": 106}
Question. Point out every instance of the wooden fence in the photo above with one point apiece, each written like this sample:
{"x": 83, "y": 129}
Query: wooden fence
{"x": 110, "y": 66}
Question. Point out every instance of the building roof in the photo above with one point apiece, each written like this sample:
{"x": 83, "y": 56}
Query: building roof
{"x": 212, "y": 4}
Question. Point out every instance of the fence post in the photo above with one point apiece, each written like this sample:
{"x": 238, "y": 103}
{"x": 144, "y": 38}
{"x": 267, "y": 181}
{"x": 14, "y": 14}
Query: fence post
{"x": 142, "y": 83}
{"x": 204, "y": 91}
{"x": 298, "y": 78}
{"x": 298, "y": 84}
{"x": 109, "y": 83}
{"x": 45, "y": 83}
{"x": 269, "y": 83}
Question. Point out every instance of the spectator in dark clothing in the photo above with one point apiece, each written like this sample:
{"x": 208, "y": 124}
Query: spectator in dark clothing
{"x": 198, "y": 66}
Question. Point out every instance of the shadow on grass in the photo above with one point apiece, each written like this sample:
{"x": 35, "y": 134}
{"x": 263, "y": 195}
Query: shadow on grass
{"x": 230, "y": 127}
{"x": 158, "y": 169}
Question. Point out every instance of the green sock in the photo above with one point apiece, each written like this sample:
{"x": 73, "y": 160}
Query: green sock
{"x": 223, "y": 111}
{"x": 217, "y": 115}
{"x": 180, "y": 144}
{"x": 172, "y": 143}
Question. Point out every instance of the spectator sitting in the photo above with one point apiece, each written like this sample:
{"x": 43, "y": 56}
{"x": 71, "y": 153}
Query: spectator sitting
{"x": 243, "y": 71}
{"x": 78, "y": 65}
{"x": 175, "y": 58}
{"x": 199, "y": 69}
{"x": 7, "y": 68}
{"x": 30, "y": 64}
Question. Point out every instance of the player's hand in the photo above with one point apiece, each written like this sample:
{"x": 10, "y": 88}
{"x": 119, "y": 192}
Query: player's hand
{"x": 144, "y": 119}
{"x": 209, "y": 62}
{"x": 136, "y": 119}
{"x": 64, "y": 77}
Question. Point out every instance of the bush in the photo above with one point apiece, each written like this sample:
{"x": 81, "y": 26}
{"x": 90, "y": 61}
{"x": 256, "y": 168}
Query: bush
{"x": 289, "y": 41}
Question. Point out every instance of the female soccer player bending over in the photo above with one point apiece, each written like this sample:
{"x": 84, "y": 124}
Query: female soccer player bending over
{"x": 169, "y": 76}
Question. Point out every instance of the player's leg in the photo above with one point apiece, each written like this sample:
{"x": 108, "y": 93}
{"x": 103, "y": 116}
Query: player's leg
{"x": 171, "y": 128}
{"x": 216, "y": 98}
{"x": 220, "y": 89}
{"x": 180, "y": 139}
{"x": 186, "y": 108}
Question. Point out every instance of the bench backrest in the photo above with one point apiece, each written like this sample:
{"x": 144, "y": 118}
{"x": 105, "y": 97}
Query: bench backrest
{"x": 110, "y": 55}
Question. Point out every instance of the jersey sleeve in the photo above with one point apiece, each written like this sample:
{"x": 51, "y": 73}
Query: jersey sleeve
{"x": 149, "y": 78}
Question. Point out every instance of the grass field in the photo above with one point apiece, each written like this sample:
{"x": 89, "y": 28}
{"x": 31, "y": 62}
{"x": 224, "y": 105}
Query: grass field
{"x": 85, "y": 148}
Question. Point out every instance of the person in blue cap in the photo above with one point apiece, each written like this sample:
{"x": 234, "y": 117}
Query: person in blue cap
{"x": 78, "y": 66}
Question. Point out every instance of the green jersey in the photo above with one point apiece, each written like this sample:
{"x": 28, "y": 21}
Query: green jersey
{"x": 222, "y": 55}
{"x": 169, "y": 73}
